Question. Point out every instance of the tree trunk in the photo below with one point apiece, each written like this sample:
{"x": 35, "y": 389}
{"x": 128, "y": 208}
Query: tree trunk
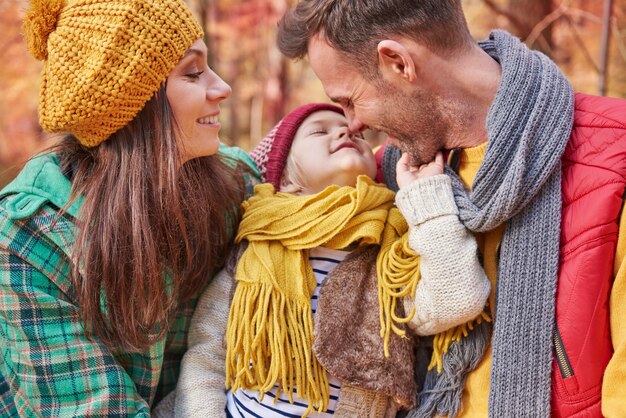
{"x": 616, "y": 76}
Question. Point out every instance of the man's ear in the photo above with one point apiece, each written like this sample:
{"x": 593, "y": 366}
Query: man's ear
{"x": 395, "y": 60}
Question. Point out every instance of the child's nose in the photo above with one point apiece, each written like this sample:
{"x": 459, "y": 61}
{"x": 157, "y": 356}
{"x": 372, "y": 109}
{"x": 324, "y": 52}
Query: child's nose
{"x": 342, "y": 133}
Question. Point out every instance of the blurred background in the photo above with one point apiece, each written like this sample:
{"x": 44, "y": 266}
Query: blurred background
{"x": 586, "y": 38}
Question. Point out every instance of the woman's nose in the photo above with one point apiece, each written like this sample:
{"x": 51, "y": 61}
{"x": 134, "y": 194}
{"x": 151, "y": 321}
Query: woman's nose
{"x": 218, "y": 89}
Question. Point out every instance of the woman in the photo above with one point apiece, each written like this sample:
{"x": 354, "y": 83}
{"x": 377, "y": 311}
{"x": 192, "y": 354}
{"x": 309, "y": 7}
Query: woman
{"x": 106, "y": 242}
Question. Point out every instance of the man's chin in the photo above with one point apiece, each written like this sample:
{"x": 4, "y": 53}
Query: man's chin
{"x": 392, "y": 140}
{"x": 416, "y": 157}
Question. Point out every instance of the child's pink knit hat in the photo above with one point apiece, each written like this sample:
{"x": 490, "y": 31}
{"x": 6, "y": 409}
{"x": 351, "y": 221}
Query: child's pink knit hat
{"x": 270, "y": 155}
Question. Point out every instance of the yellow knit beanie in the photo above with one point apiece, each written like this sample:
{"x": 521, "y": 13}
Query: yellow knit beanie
{"x": 104, "y": 59}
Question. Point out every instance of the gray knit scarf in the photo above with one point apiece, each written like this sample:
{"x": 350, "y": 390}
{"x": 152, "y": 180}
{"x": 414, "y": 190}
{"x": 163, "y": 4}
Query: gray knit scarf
{"x": 518, "y": 183}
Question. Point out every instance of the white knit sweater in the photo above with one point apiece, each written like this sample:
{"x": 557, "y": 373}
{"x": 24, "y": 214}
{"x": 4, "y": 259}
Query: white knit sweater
{"x": 452, "y": 290}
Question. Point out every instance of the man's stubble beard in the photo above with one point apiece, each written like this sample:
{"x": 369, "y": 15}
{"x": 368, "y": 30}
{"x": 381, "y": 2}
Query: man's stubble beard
{"x": 418, "y": 123}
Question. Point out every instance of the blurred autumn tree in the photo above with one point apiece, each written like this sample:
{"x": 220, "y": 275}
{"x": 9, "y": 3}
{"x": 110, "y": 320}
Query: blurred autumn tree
{"x": 20, "y": 134}
{"x": 570, "y": 32}
{"x": 240, "y": 35}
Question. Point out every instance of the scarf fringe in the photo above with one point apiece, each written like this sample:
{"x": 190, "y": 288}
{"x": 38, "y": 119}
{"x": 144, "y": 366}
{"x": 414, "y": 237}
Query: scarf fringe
{"x": 269, "y": 340}
{"x": 443, "y": 340}
{"x": 443, "y": 389}
{"x": 398, "y": 273}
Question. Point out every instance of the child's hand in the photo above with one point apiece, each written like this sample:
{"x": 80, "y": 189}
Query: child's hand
{"x": 406, "y": 174}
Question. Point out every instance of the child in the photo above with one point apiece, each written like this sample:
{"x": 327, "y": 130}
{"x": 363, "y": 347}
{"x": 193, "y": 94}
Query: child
{"x": 273, "y": 364}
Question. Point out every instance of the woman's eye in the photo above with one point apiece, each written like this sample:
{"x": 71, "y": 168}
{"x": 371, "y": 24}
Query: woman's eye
{"x": 194, "y": 76}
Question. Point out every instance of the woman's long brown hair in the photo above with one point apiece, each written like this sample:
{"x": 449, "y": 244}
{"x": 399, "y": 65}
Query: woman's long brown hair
{"x": 151, "y": 232}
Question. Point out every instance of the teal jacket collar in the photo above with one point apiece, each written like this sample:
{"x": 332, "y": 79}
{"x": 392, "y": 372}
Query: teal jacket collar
{"x": 40, "y": 182}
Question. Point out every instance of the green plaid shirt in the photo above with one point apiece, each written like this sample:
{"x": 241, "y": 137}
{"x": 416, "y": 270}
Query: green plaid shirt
{"x": 47, "y": 365}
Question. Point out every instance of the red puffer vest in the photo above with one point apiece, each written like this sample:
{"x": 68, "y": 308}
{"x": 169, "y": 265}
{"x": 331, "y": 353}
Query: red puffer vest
{"x": 594, "y": 178}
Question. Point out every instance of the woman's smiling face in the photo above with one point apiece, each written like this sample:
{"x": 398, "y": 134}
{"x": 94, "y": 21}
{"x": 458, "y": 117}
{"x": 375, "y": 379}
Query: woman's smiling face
{"x": 194, "y": 93}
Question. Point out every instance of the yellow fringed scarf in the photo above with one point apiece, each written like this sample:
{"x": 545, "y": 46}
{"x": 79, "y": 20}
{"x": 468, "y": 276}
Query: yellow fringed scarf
{"x": 270, "y": 325}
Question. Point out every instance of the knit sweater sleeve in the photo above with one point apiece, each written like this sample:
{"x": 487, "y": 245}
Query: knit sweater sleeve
{"x": 613, "y": 399}
{"x": 453, "y": 288}
{"x": 200, "y": 391}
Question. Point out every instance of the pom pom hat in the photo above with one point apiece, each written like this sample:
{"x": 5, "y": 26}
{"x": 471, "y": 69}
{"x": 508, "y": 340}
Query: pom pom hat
{"x": 104, "y": 59}
{"x": 270, "y": 155}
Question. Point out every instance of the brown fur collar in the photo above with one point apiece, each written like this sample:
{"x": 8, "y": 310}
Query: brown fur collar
{"x": 347, "y": 332}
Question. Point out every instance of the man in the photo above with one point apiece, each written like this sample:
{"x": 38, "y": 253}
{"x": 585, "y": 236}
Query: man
{"x": 546, "y": 169}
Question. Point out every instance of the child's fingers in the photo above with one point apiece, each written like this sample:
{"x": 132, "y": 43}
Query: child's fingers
{"x": 439, "y": 158}
{"x": 403, "y": 162}
{"x": 433, "y": 167}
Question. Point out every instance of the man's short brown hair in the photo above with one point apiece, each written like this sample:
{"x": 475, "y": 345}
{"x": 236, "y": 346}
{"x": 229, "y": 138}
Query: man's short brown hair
{"x": 355, "y": 27}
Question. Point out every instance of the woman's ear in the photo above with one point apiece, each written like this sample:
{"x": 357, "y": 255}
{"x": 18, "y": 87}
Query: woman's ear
{"x": 396, "y": 61}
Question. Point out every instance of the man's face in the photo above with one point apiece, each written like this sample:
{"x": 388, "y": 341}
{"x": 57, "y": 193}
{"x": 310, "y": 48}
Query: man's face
{"x": 413, "y": 118}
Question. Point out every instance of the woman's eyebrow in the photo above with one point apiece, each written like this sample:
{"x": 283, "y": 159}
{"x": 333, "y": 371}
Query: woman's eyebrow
{"x": 195, "y": 52}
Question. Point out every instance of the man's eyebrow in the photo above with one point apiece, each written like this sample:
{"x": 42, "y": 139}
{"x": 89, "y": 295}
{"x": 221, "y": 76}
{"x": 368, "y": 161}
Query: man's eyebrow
{"x": 339, "y": 100}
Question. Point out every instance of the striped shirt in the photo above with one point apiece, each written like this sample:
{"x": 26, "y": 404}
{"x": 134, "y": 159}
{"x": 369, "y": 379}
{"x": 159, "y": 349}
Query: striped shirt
{"x": 247, "y": 404}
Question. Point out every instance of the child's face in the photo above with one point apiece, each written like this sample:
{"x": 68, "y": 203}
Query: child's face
{"x": 323, "y": 153}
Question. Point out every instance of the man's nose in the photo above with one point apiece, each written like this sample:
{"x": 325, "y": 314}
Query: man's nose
{"x": 354, "y": 124}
